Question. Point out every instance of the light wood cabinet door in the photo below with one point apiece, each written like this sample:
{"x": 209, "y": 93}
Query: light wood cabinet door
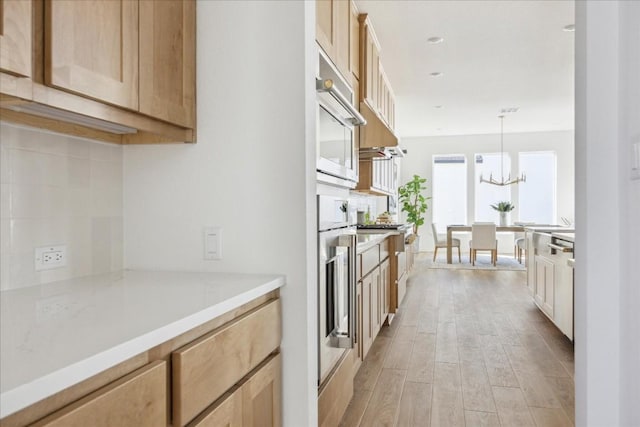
{"x": 262, "y": 396}
{"x": 359, "y": 320}
{"x": 545, "y": 284}
{"x": 168, "y": 60}
{"x": 226, "y": 414}
{"x": 367, "y": 330}
{"x": 91, "y": 48}
{"x": 375, "y": 302}
{"x": 385, "y": 274}
{"x": 136, "y": 400}
{"x": 354, "y": 39}
{"x": 343, "y": 38}
{"x": 15, "y": 37}
{"x": 206, "y": 368}
{"x": 326, "y": 26}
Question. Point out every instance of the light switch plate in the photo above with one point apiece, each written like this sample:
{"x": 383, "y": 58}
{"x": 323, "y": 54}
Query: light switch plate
{"x": 212, "y": 243}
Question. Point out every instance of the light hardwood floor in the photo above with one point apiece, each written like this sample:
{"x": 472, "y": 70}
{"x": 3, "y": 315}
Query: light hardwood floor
{"x": 468, "y": 348}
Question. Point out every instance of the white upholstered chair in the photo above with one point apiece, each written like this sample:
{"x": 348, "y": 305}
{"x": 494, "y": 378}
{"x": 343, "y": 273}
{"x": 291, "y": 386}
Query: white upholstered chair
{"x": 442, "y": 243}
{"x": 483, "y": 238}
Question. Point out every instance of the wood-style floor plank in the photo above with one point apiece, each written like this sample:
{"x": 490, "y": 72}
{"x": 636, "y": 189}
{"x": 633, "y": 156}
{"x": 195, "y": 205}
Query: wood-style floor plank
{"x": 481, "y": 419}
{"x": 548, "y": 417}
{"x": 536, "y": 390}
{"x": 512, "y": 408}
{"x": 415, "y": 405}
{"x": 476, "y": 389}
{"x": 422, "y": 361}
{"x": 382, "y": 409}
{"x": 367, "y": 375}
{"x": 467, "y": 347}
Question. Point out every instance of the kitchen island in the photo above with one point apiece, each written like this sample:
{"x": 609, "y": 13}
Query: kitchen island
{"x": 57, "y": 335}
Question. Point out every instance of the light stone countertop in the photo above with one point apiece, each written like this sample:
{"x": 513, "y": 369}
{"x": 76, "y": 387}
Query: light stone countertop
{"x": 56, "y": 335}
{"x": 368, "y": 239}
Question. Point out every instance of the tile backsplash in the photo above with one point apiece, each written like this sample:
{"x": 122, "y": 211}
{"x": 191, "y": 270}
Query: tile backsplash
{"x": 58, "y": 190}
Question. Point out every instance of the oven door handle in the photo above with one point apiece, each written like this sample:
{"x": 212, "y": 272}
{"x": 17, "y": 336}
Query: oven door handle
{"x": 348, "y": 241}
{"x": 326, "y": 85}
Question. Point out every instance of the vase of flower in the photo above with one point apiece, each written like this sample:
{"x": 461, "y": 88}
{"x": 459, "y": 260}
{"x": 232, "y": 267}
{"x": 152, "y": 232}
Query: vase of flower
{"x": 503, "y": 219}
{"x": 503, "y": 209}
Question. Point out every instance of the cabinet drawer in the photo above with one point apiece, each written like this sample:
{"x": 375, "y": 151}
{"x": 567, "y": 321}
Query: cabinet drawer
{"x": 384, "y": 249}
{"x": 208, "y": 367}
{"x": 138, "y": 399}
{"x": 256, "y": 402}
{"x": 370, "y": 259}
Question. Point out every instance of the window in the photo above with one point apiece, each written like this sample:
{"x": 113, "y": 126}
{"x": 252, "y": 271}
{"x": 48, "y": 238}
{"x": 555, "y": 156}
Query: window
{"x": 537, "y": 197}
{"x": 449, "y": 190}
{"x": 488, "y": 194}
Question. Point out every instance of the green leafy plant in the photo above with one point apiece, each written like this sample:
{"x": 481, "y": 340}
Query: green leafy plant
{"x": 413, "y": 202}
{"x": 503, "y": 207}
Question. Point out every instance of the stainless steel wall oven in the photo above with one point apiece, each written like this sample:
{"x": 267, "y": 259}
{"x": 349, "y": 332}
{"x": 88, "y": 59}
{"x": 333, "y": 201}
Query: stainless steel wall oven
{"x": 336, "y": 282}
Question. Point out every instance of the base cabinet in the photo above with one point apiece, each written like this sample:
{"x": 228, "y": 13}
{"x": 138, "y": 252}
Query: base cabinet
{"x": 545, "y": 283}
{"x": 256, "y": 402}
{"x": 138, "y": 399}
{"x": 226, "y": 372}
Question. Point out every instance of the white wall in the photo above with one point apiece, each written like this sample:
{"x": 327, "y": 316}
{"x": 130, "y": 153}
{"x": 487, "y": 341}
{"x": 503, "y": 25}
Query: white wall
{"x": 419, "y": 160}
{"x": 607, "y": 295}
{"x": 630, "y": 213}
{"x": 58, "y": 190}
{"x": 252, "y": 172}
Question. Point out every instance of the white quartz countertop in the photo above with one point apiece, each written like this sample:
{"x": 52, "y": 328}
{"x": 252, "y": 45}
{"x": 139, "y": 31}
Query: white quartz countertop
{"x": 368, "y": 239}
{"x": 56, "y": 335}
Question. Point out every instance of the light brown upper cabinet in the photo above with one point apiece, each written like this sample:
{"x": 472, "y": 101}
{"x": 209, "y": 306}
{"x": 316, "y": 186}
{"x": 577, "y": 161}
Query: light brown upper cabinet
{"x": 326, "y": 26}
{"x": 376, "y": 95}
{"x": 91, "y": 48}
{"x": 168, "y": 60}
{"x": 354, "y": 38}
{"x": 15, "y": 37}
{"x": 337, "y": 34}
{"x": 120, "y": 71}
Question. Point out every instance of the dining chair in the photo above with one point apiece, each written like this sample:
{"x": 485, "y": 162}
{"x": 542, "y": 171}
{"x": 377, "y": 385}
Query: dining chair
{"x": 483, "y": 238}
{"x": 519, "y": 247}
{"x": 442, "y": 243}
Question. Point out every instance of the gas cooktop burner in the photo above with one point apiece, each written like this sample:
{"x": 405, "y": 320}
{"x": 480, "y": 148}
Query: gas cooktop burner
{"x": 381, "y": 226}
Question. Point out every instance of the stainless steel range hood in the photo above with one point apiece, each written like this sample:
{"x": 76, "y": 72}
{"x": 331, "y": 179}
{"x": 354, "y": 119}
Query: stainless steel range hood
{"x": 382, "y": 152}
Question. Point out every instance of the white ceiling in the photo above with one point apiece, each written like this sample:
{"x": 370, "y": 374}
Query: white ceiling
{"x": 495, "y": 54}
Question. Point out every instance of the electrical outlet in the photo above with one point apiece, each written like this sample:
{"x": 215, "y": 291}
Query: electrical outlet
{"x": 50, "y": 257}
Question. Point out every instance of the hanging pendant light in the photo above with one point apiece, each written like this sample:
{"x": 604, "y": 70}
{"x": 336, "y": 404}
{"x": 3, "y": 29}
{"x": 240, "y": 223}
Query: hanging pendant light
{"x": 508, "y": 181}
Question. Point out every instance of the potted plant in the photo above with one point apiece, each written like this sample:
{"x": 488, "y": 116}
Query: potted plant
{"x": 413, "y": 202}
{"x": 503, "y": 208}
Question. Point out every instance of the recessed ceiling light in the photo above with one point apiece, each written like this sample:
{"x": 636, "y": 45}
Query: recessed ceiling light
{"x": 569, "y": 28}
{"x": 435, "y": 40}
{"x": 436, "y": 74}
{"x": 437, "y": 106}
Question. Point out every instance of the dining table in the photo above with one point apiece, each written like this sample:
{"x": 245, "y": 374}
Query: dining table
{"x": 452, "y": 228}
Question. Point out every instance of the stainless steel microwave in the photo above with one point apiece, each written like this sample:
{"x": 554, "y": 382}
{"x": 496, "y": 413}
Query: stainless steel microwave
{"x": 337, "y": 160}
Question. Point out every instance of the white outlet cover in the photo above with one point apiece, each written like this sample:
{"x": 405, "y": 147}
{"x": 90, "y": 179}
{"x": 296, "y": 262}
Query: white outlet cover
{"x": 50, "y": 257}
